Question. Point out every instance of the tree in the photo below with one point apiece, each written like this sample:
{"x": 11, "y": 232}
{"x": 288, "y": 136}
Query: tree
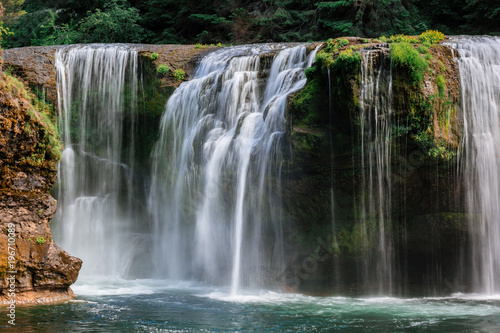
{"x": 370, "y": 18}
{"x": 116, "y": 23}
{"x": 484, "y": 16}
{"x": 12, "y": 10}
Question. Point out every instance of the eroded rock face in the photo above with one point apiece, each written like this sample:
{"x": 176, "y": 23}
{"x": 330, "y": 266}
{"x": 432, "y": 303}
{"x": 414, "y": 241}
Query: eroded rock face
{"x": 42, "y": 271}
{"x": 35, "y": 65}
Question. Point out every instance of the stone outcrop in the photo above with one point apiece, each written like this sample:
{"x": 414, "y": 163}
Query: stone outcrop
{"x": 427, "y": 212}
{"x": 35, "y": 65}
{"x": 29, "y": 150}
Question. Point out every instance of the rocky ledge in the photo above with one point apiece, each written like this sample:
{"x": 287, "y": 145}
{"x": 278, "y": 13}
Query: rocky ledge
{"x": 33, "y": 269}
{"x": 35, "y": 65}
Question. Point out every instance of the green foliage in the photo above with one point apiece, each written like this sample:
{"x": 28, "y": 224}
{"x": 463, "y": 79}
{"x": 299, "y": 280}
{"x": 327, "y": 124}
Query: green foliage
{"x": 189, "y": 21}
{"x": 40, "y": 240}
{"x": 483, "y": 16}
{"x": 431, "y": 36}
{"x": 48, "y": 145}
{"x": 400, "y": 38}
{"x": 422, "y": 49}
{"x": 179, "y": 74}
{"x": 48, "y": 33}
{"x": 341, "y": 42}
{"x": 366, "y": 18}
{"x": 333, "y": 45}
{"x": 154, "y": 56}
{"x": 345, "y": 55}
{"x": 324, "y": 59}
{"x": 163, "y": 69}
{"x": 116, "y": 23}
{"x": 406, "y": 56}
{"x": 441, "y": 83}
{"x": 12, "y": 10}
{"x": 310, "y": 71}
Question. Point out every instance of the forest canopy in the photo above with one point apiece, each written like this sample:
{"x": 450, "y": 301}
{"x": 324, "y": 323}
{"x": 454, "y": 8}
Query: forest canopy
{"x": 47, "y": 22}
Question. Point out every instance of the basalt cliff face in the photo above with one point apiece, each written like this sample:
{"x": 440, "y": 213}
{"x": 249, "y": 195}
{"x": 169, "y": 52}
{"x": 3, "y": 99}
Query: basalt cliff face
{"x": 373, "y": 147}
{"x": 33, "y": 269}
{"x": 374, "y": 172}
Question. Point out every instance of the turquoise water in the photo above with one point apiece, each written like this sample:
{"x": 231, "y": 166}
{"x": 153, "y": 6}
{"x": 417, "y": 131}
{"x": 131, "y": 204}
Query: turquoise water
{"x": 165, "y": 306}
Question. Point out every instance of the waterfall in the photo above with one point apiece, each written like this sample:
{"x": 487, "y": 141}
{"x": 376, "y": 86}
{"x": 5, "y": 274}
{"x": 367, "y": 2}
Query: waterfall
{"x": 375, "y": 203}
{"x": 215, "y": 190}
{"x": 479, "y": 63}
{"x": 97, "y": 91}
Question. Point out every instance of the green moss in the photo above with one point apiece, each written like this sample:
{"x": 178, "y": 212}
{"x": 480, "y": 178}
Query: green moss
{"x": 306, "y": 104}
{"x": 306, "y": 141}
{"x": 441, "y": 83}
{"x": 48, "y": 146}
{"x": 404, "y": 55}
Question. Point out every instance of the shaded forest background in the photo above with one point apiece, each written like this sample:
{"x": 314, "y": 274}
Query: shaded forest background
{"x": 48, "y": 22}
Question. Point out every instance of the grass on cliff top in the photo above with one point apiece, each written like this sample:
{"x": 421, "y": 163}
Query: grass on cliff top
{"x": 404, "y": 54}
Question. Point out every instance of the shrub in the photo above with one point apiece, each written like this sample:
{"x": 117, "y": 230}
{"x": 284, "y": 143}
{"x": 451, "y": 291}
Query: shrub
{"x": 154, "y": 56}
{"x": 403, "y": 39}
{"x": 431, "y": 36}
{"x": 333, "y": 45}
{"x": 163, "y": 69}
{"x": 179, "y": 74}
{"x": 342, "y": 42}
{"x": 324, "y": 59}
{"x": 40, "y": 240}
{"x": 347, "y": 59}
{"x": 345, "y": 55}
{"x": 405, "y": 55}
{"x": 310, "y": 71}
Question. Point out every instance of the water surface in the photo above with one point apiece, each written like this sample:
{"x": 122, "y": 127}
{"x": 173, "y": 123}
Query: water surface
{"x": 115, "y": 305}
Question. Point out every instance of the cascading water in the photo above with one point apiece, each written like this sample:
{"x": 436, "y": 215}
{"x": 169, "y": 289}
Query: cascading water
{"x": 97, "y": 89}
{"x": 375, "y": 205}
{"x": 215, "y": 189}
{"x": 479, "y": 63}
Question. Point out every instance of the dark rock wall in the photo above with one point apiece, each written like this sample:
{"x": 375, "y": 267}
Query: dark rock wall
{"x": 428, "y": 222}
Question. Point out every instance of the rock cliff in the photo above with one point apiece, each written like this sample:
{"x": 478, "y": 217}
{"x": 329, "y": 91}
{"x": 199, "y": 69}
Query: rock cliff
{"x": 29, "y": 150}
{"x": 407, "y": 181}
{"x": 327, "y": 136}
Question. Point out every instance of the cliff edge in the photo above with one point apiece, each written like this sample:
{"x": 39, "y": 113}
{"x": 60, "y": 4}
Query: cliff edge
{"x": 33, "y": 269}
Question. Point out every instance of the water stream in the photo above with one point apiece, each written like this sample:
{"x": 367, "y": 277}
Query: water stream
{"x": 213, "y": 200}
{"x": 216, "y": 167}
{"x": 375, "y": 205}
{"x": 97, "y": 89}
{"x": 479, "y": 61}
